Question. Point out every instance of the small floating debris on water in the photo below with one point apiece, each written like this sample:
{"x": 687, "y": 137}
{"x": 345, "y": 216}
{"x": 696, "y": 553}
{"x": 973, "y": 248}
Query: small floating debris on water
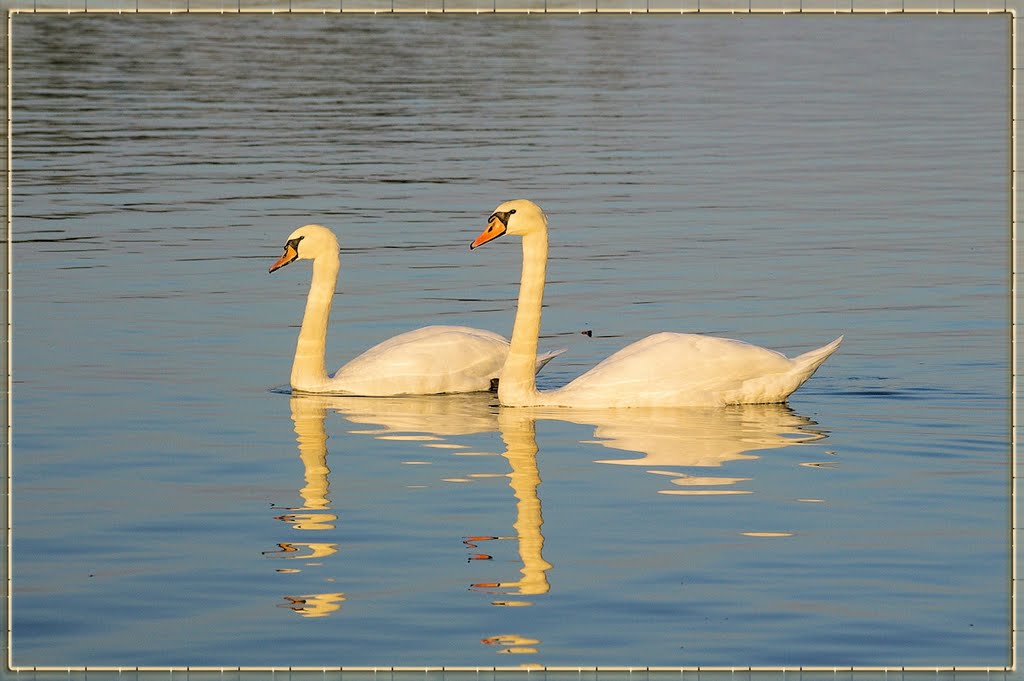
{"x": 587, "y": 332}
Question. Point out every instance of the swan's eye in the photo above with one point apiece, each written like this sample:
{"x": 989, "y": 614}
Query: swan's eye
{"x": 500, "y": 217}
{"x": 294, "y": 243}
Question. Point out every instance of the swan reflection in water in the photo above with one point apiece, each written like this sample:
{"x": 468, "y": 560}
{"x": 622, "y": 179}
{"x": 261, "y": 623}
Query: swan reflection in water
{"x": 659, "y": 438}
{"x": 309, "y": 419}
{"x": 700, "y": 438}
{"x": 438, "y": 416}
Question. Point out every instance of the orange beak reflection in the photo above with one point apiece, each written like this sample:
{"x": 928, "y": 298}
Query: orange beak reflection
{"x": 290, "y": 254}
{"x": 495, "y": 228}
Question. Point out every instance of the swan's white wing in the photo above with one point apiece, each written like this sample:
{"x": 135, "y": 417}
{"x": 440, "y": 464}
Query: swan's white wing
{"x": 678, "y": 369}
{"x": 427, "y": 361}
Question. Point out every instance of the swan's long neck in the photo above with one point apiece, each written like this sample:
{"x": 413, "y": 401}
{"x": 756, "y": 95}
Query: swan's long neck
{"x": 308, "y": 370}
{"x": 518, "y": 383}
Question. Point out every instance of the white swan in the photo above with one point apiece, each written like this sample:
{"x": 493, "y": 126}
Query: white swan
{"x": 427, "y": 361}
{"x": 663, "y": 370}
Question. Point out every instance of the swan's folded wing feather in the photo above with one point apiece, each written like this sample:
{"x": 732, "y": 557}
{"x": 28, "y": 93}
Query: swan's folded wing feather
{"x": 431, "y": 360}
{"x": 676, "y": 369}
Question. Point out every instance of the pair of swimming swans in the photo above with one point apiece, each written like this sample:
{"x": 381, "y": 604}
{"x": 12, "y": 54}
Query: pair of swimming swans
{"x": 662, "y": 370}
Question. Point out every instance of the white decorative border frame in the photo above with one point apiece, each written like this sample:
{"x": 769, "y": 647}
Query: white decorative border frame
{"x": 574, "y": 673}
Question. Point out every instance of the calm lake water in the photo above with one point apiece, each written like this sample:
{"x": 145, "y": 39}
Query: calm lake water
{"x": 782, "y": 180}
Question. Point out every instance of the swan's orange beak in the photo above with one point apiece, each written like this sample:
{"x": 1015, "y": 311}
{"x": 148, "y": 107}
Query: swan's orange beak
{"x": 290, "y": 254}
{"x": 495, "y": 228}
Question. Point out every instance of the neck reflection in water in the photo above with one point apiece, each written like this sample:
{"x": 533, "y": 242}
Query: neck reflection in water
{"x": 308, "y": 417}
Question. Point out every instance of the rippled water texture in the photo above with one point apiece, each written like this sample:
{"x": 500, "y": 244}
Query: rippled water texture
{"x": 783, "y": 180}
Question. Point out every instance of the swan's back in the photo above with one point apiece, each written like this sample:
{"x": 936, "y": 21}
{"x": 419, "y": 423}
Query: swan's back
{"x": 681, "y": 369}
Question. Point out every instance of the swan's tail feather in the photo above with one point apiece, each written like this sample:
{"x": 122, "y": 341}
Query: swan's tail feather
{"x": 812, "y": 359}
{"x": 546, "y": 357}
{"x": 542, "y": 360}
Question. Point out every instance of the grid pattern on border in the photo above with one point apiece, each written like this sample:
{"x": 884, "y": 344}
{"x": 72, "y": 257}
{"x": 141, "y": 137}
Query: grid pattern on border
{"x": 519, "y": 6}
{"x": 582, "y": 673}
